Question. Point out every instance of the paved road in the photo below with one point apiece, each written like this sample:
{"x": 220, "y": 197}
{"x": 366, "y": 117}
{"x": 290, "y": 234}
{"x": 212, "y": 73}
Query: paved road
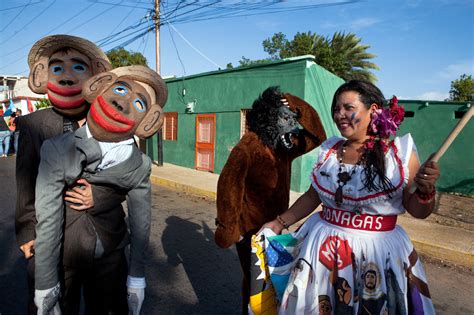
{"x": 188, "y": 274}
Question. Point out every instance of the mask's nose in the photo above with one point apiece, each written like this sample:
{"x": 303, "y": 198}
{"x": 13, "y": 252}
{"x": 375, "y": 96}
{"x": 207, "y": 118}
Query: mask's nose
{"x": 66, "y": 82}
{"x": 117, "y": 105}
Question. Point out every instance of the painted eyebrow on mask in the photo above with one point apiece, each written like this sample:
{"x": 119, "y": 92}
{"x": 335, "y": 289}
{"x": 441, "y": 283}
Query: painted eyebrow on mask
{"x": 80, "y": 60}
{"x": 124, "y": 84}
{"x": 54, "y": 60}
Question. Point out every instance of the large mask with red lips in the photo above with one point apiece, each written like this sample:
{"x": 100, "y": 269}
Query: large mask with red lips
{"x": 60, "y": 64}
{"x": 126, "y": 101}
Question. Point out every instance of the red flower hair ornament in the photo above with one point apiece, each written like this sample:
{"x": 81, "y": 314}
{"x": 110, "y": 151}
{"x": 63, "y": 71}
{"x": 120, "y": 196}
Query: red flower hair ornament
{"x": 385, "y": 122}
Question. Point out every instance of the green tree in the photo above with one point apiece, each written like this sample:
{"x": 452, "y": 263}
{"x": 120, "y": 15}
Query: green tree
{"x": 244, "y": 62}
{"x": 42, "y": 103}
{"x": 247, "y": 62}
{"x": 121, "y": 57}
{"x": 342, "y": 54}
{"x": 462, "y": 89}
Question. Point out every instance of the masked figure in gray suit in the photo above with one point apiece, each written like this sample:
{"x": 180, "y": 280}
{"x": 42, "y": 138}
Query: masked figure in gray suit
{"x": 59, "y": 66}
{"x": 125, "y": 102}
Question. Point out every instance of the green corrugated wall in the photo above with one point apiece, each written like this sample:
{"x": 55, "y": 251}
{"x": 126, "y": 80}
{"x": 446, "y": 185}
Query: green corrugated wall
{"x": 429, "y": 126}
{"x": 224, "y": 93}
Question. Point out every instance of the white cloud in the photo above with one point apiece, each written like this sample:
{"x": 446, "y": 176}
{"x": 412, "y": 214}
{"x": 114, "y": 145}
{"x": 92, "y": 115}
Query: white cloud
{"x": 363, "y": 23}
{"x": 413, "y": 3}
{"x": 431, "y": 96}
{"x": 454, "y": 71}
{"x": 353, "y": 25}
{"x": 327, "y": 25}
{"x": 267, "y": 25}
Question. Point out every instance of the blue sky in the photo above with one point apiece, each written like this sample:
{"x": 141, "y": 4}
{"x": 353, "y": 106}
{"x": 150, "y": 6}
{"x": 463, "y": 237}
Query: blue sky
{"x": 421, "y": 45}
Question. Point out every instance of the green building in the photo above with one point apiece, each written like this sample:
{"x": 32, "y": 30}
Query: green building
{"x": 205, "y": 113}
{"x": 205, "y": 118}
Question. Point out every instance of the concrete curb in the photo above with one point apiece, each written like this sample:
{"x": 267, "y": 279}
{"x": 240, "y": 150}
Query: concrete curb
{"x": 428, "y": 238}
{"x": 198, "y": 192}
{"x": 443, "y": 253}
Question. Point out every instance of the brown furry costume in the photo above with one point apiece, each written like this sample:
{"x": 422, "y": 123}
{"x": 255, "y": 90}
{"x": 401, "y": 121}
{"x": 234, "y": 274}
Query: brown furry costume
{"x": 254, "y": 186}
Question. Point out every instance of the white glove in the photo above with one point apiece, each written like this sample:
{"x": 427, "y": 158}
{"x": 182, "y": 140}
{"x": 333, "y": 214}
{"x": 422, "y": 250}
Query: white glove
{"x": 135, "y": 294}
{"x": 47, "y": 301}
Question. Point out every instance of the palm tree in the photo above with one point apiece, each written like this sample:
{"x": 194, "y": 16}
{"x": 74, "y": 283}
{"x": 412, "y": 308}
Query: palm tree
{"x": 352, "y": 58}
{"x": 343, "y": 54}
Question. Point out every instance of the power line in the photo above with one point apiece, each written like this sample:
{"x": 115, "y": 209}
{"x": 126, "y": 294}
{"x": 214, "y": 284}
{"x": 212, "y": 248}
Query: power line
{"x": 31, "y": 21}
{"x": 146, "y": 42}
{"x": 113, "y": 40}
{"x": 75, "y": 15}
{"x": 129, "y": 12}
{"x": 177, "y": 52}
{"x": 19, "y": 6}
{"x": 262, "y": 8}
{"x": 121, "y": 5}
{"x": 191, "y": 45}
{"x": 176, "y": 12}
{"x": 104, "y": 41}
{"x": 54, "y": 28}
{"x": 128, "y": 42}
{"x": 94, "y": 17}
{"x": 22, "y": 9}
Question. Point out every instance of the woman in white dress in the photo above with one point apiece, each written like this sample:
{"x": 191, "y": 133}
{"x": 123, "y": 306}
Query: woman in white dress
{"x": 352, "y": 257}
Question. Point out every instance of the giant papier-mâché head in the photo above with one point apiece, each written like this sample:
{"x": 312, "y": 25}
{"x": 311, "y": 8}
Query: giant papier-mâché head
{"x": 125, "y": 101}
{"x": 59, "y": 66}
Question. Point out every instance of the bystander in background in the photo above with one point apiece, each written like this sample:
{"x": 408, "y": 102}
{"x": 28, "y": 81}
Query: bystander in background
{"x": 4, "y": 136}
{"x": 13, "y": 128}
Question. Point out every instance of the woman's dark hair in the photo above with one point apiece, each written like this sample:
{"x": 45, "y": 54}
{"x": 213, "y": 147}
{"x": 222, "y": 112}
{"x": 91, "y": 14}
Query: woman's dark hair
{"x": 374, "y": 160}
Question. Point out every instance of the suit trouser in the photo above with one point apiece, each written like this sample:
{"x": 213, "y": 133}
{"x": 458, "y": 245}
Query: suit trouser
{"x": 30, "y": 271}
{"x": 103, "y": 283}
{"x": 244, "y": 251}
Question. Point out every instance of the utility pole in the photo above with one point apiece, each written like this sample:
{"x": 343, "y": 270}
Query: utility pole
{"x": 157, "y": 33}
{"x": 159, "y": 135}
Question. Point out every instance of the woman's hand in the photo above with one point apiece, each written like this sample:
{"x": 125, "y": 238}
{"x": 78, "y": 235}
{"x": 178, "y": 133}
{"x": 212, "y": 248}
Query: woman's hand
{"x": 426, "y": 177}
{"x": 80, "y": 195}
{"x": 274, "y": 225}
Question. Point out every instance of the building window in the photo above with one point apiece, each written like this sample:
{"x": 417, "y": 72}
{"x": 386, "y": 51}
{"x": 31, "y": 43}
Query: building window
{"x": 170, "y": 127}
{"x": 243, "y": 122}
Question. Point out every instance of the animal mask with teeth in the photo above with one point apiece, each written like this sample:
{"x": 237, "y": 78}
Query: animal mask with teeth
{"x": 274, "y": 122}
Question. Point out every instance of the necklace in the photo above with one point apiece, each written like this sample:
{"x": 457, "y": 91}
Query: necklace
{"x": 343, "y": 176}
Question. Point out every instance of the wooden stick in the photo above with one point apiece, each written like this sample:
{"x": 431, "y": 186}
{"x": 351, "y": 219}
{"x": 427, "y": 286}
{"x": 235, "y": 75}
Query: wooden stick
{"x": 447, "y": 142}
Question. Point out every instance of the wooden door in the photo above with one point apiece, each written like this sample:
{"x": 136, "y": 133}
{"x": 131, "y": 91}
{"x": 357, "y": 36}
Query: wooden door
{"x": 205, "y": 136}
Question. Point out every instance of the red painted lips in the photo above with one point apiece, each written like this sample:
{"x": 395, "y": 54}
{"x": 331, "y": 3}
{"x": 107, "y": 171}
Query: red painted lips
{"x": 64, "y": 91}
{"x": 63, "y": 97}
{"x": 107, "y": 117}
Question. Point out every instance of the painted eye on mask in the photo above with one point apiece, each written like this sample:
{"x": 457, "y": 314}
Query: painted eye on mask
{"x": 80, "y": 68}
{"x": 139, "y": 105}
{"x": 57, "y": 69}
{"x": 120, "y": 90}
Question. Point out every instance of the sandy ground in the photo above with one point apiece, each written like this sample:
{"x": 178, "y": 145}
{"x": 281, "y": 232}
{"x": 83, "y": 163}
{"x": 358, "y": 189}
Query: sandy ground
{"x": 454, "y": 210}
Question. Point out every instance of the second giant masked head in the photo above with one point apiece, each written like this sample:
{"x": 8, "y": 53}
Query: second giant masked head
{"x": 126, "y": 101}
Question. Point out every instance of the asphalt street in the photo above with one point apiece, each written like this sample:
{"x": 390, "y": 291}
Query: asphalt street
{"x": 187, "y": 272}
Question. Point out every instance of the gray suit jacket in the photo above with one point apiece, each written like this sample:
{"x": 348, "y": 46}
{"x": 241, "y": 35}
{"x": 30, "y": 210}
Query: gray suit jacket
{"x": 65, "y": 159}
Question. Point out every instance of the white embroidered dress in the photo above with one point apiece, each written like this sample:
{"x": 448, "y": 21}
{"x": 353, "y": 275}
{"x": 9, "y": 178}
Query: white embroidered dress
{"x": 364, "y": 270}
